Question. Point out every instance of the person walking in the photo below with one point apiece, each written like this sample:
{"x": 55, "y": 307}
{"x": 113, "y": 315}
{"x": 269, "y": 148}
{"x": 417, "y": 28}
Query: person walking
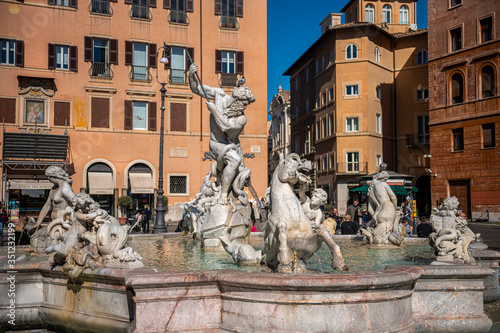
{"x": 354, "y": 211}
{"x": 147, "y": 218}
{"x": 348, "y": 227}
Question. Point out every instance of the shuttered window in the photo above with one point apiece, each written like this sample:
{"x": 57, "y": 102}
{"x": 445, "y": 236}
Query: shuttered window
{"x": 100, "y": 112}
{"x": 140, "y": 115}
{"x": 8, "y": 110}
{"x": 63, "y": 57}
{"x": 231, "y": 8}
{"x": 62, "y": 114}
{"x": 178, "y": 117}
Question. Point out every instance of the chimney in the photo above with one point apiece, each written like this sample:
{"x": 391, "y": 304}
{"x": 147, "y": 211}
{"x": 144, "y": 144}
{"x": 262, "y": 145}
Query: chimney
{"x": 330, "y": 21}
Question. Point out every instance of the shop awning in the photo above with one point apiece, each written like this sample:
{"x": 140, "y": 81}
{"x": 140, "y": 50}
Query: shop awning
{"x": 29, "y": 184}
{"x": 397, "y": 189}
{"x": 141, "y": 183}
{"x": 362, "y": 189}
{"x": 101, "y": 183}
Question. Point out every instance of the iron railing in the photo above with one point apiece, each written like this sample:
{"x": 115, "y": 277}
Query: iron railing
{"x": 176, "y": 16}
{"x": 100, "y": 69}
{"x": 141, "y": 12}
{"x": 229, "y": 22}
{"x": 140, "y": 73}
{"x": 352, "y": 167}
{"x": 100, "y": 7}
{"x": 228, "y": 80}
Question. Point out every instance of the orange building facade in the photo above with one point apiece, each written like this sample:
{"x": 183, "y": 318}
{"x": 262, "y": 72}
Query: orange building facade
{"x": 86, "y": 71}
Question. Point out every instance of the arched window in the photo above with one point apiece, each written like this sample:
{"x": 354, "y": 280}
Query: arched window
{"x": 403, "y": 14}
{"x": 377, "y": 54}
{"x": 422, "y": 57}
{"x": 386, "y": 13}
{"x": 369, "y": 13}
{"x": 351, "y": 51}
{"x": 488, "y": 81}
{"x": 457, "y": 88}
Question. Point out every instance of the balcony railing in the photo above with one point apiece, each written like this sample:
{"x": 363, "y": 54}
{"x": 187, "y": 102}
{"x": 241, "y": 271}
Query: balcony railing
{"x": 418, "y": 139}
{"x": 228, "y": 80}
{"x": 352, "y": 167}
{"x": 100, "y": 69}
{"x": 229, "y": 22}
{"x": 100, "y": 7}
{"x": 178, "y": 76}
{"x": 140, "y": 73}
{"x": 141, "y": 12}
{"x": 178, "y": 17}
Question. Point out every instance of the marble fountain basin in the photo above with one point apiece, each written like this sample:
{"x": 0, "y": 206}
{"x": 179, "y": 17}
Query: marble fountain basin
{"x": 397, "y": 298}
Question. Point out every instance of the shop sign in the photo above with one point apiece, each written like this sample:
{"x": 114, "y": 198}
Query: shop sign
{"x": 29, "y": 185}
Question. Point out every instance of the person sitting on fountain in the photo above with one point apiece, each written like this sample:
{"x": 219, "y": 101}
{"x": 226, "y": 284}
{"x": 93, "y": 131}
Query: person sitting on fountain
{"x": 227, "y": 120}
{"x": 348, "y": 227}
{"x": 312, "y": 206}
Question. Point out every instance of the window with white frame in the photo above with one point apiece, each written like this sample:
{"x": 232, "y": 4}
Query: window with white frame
{"x": 379, "y": 160}
{"x": 8, "y": 52}
{"x": 404, "y": 14}
{"x": 351, "y": 90}
{"x": 369, "y": 13}
{"x": 352, "y": 124}
{"x": 378, "y": 123}
{"x": 377, "y": 54}
{"x": 228, "y": 60}
{"x": 330, "y": 124}
{"x": 352, "y": 161}
{"x": 62, "y": 57}
{"x": 323, "y": 127}
{"x": 318, "y": 130}
{"x": 324, "y": 162}
{"x": 140, "y": 115}
{"x": 422, "y": 57}
{"x": 386, "y": 14}
{"x": 140, "y": 61}
{"x": 351, "y": 51}
{"x": 177, "y": 184}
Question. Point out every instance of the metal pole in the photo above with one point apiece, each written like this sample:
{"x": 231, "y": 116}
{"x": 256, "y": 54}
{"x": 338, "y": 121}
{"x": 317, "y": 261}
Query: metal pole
{"x": 159, "y": 226}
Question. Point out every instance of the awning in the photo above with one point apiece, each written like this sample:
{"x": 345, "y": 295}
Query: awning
{"x": 414, "y": 189}
{"x": 141, "y": 183}
{"x": 29, "y": 184}
{"x": 397, "y": 189}
{"x": 101, "y": 183}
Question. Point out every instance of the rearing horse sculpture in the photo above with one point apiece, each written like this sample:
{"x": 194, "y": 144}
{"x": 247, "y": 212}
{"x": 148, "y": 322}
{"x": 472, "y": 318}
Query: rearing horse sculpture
{"x": 289, "y": 239}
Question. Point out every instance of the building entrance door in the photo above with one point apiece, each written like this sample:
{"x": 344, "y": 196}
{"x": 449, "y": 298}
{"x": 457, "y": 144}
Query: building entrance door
{"x": 461, "y": 190}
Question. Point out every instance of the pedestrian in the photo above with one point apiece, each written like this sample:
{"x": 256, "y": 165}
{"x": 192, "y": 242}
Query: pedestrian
{"x": 424, "y": 229}
{"x": 330, "y": 224}
{"x": 348, "y": 227}
{"x": 354, "y": 211}
{"x": 366, "y": 218}
{"x": 147, "y": 218}
{"x": 407, "y": 211}
{"x": 408, "y": 229}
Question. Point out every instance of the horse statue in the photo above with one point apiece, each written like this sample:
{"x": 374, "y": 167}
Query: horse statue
{"x": 290, "y": 239}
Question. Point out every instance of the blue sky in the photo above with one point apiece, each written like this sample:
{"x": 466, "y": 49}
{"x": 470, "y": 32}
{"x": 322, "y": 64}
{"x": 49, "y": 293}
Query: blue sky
{"x": 293, "y": 28}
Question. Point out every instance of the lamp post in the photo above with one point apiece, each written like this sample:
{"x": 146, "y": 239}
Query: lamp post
{"x": 159, "y": 226}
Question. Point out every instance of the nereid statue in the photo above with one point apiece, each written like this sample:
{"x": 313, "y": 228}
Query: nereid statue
{"x": 452, "y": 237}
{"x": 80, "y": 234}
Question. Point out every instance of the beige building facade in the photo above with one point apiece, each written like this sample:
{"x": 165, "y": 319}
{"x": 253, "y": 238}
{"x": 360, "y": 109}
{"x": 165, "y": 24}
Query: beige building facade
{"x": 87, "y": 72}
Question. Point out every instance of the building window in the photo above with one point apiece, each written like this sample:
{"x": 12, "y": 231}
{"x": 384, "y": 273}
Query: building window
{"x": 317, "y": 103}
{"x": 352, "y": 162}
{"x": 487, "y": 81}
{"x": 378, "y": 123}
{"x": 456, "y": 39}
{"x": 330, "y": 95}
{"x": 486, "y": 26}
{"x": 12, "y": 52}
{"x": 422, "y": 94}
{"x": 404, "y": 14}
{"x": 323, "y": 127}
{"x": 457, "y": 88}
{"x": 351, "y": 90}
{"x": 454, "y": 3}
{"x": 178, "y": 65}
{"x": 307, "y": 143}
{"x": 100, "y": 7}
{"x": 307, "y": 105}
{"x": 178, "y": 117}
{"x": 140, "y": 115}
{"x": 229, "y": 10}
{"x": 488, "y": 135}
{"x": 332, "y": 56}
{"x": 386, "y": 14}
{"x": 63, "y": 57}
{"x": 422, "y": 57}
{"x": 378, "y": 92}
{"x": 458, "y": 139}
{"x": 140, "y": 57}
{"x": 318, "y": 125}
{"x": 229, "y": 64}
{"x": 178, "y": 10}
{"x": 140, "y": 8}
{"x": 324, "y": 162}
{"x": 369, "y": 13}
{"x": 317, "y": 66}
{"x": 352, "y": 124}
{"x": 177, "y": 184}
{"x": 100, "y": 112}
{"x": 101, "y": 53}
{"x": 8, "y": 110}
{"x": 351, "y": 51}
{"x": 377, "y": 54}
{"x": 323, "y": 98}
{"x": 65, "y": 3}
{"x": 323, "y": 61}
{"x": 379, "y": 160}
{"x": 423, "y": 130}
{"x": 330, "y": 124}
{"x": 62, "y": 113}
{"x": 332, "y": 161}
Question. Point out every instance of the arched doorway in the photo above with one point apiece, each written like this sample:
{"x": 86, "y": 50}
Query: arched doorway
{"x": 101, "y": 186}
{"x": 141, "y": 186}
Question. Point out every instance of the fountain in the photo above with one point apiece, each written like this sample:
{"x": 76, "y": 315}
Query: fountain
{"x": 91, "y": 285}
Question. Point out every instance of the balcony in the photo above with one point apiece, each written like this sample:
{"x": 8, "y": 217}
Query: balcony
{"x": 178, "y": 17}
{"x": 418, "y": 139}
{"x": 140, "y": 73}
{"x": 100, "y": 69}
{"x": 178, "y": 76}
{"x": 349, "y": 168}
{"x": 228, "y": 80}
{"x": 100, "y": 7}
{"x": 229, "y": 22}
{"x": 141, "y": 12}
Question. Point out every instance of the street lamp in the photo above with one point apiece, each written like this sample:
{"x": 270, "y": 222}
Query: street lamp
{"x": 159, "y": 226}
